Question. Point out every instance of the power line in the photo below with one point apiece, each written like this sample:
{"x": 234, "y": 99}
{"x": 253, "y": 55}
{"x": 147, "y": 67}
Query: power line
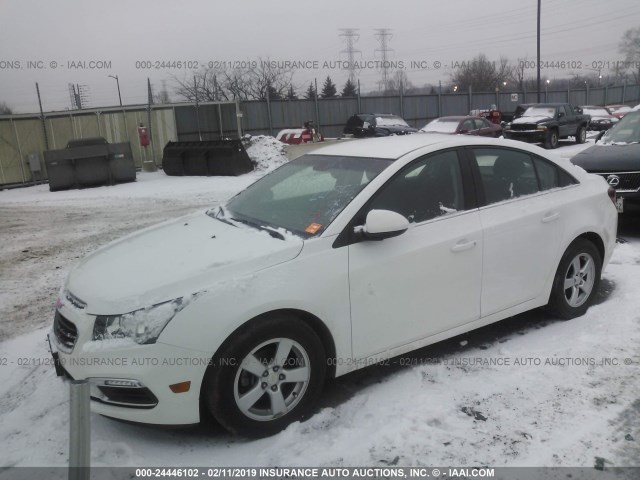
{"x": 351, "y": 36}
{"x": 383, "y": 35}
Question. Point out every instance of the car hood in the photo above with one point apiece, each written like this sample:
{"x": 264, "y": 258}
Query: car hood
{"x": 609, "y": 158}
{"x": 176, "y": 258}
{"x": 531, "y": 120}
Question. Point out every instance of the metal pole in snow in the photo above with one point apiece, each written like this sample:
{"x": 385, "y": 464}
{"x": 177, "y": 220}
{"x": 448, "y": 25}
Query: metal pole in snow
{"x": 79, "y": 431}
{"x": 315, "y": 97}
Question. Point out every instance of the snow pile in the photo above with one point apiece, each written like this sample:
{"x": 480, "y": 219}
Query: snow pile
{"x": 265, "y": 152}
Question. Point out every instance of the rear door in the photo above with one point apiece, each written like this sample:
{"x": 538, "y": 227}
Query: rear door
{"x": 523, "y": 222}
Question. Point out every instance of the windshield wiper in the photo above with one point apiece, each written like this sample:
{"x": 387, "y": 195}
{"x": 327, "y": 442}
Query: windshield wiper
{"x": 220, "y": 215}
{"x": 274, "y": 233}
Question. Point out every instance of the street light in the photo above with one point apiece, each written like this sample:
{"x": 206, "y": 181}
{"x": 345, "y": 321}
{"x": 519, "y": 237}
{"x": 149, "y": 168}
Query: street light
{"x": 118, "y": 82}
{"x": 546, "y": 91}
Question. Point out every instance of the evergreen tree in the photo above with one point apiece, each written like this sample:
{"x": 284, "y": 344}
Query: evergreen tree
{"x": 273, "y": 93}
{"x": 310, "y": 94}
{"x": 329, "y": 89}
{"x": 349, "y": 89}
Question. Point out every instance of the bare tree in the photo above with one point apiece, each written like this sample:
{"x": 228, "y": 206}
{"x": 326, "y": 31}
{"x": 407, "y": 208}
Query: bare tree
{"x": 629, "y": 46}
{"x": 254, "y": 82}
{"x": 481, "y": 74}
{"x": 5, "y": 109}
{"x": 399, "y": 81}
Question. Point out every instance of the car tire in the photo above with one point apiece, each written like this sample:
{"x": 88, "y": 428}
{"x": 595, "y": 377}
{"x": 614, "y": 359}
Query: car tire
{"x": 576, "y": 281}
{"x": 581, "y": 135}
{"x": 551, "y": 139}
{"x": 248, "y": 388}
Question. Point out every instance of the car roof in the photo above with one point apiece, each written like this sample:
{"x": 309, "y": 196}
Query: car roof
{"x": 395, "y": 146}
{"x": 380, "y": 114}
{"x": 455, "y": 117}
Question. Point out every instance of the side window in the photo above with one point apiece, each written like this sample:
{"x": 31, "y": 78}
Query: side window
{"x": 505, "y": 174}
{"x": 481, "y": 123}
{"x": 428, "y": 188}
{"x": 548, "y": 174}
{"x": 551, "y": 176}
{"x": 467, "y": 126}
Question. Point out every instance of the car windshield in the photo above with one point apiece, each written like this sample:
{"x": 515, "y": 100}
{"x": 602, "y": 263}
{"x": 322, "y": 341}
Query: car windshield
{"x": 596, "y": 112}
{"x": 389, "y": 121}
{"x": 539, "y": 112}
{"x": 441, "y": 125}
{"x": 303, "y": 196}
{"x": 627, "y": 130}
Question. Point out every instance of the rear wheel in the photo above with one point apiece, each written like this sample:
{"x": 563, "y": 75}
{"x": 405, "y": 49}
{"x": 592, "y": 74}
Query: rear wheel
{"x": 266, "y": 377}
{"x": 581, "y": 135}
{"x": 576, "y": 281}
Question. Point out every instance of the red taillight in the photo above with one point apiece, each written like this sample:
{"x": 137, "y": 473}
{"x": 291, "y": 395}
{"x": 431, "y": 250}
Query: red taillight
{"x": 612, "y": 194}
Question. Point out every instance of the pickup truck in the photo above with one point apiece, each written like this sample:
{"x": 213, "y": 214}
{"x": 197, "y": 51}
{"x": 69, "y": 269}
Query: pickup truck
{"x": 547, "y": 123}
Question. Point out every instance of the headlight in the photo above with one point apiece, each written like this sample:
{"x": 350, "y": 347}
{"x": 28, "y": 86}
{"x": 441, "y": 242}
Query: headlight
{"x": 142, "y": 326}
{"x": 541, "y": 127}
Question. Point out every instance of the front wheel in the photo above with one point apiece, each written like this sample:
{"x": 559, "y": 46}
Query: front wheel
{"x": 576, "y": 281}
{"x": 551, "y": 140}
{"x": 581, "y": 135}
{"x": 266, "y": 377}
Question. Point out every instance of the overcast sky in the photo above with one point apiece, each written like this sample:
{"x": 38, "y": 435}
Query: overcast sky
{"x": 120, "y": 33}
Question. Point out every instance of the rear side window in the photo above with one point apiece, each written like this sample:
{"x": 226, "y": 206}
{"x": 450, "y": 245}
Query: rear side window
{"x": 505, "y": 174}
{"x": 551, "y": 176}
{"x": 354, "y": 121}
{"x": 508, "y": 174}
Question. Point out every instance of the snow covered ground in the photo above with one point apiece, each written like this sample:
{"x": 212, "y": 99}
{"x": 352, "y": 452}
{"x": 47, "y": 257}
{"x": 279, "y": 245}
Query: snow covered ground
{"x": 528, "y": 391}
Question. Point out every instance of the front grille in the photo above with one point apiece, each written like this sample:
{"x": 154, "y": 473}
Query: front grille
{"x": 134, "y": 397}
{"x": 523, "y": 126}
{"x": 65, "y": 331}
{"x": 629, "y": 181}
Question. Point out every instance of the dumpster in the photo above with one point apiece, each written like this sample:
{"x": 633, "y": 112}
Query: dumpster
{"x": 208, "y": 158}
{"x": 89, "y": 162}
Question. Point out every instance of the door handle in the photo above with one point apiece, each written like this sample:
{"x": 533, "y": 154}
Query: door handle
{"x": 463, "y": 245}
{"x": 550, "y": 217}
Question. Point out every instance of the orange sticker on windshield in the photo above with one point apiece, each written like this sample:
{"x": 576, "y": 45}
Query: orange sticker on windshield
{"x": 313, "y": 228}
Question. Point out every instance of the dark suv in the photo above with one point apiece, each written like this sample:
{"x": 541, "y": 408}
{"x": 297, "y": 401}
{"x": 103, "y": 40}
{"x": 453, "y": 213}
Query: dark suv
{"x": 377, "y": 125}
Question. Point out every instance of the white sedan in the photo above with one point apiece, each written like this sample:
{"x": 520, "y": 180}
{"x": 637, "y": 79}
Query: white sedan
{"x": 340, "y": 259}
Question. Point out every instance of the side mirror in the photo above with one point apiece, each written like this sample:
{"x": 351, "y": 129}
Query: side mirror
{"x": 381, "y": 224}
{"x": 561, "y": 114}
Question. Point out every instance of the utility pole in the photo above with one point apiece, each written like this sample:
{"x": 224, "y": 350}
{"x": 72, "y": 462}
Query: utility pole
{"x": 124, "y": 114}
{"x": 383, "y": 35}
{"x": 195, "y": 90}
{"x": 351, "y": 36}
{"x": 538, "y": 56}
{"x": 44, "y": 125}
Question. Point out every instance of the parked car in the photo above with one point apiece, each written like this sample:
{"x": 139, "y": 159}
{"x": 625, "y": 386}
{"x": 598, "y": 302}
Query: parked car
{"x": 601, "y": 119}
{"x": 547, "y": 123}
{"x": 377, "y": 125}
{"x": 618, "y": 111}
{"x": 616, "y": 157}
{"x": 342, "y": 258}
{"x": 463, "y": 125}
